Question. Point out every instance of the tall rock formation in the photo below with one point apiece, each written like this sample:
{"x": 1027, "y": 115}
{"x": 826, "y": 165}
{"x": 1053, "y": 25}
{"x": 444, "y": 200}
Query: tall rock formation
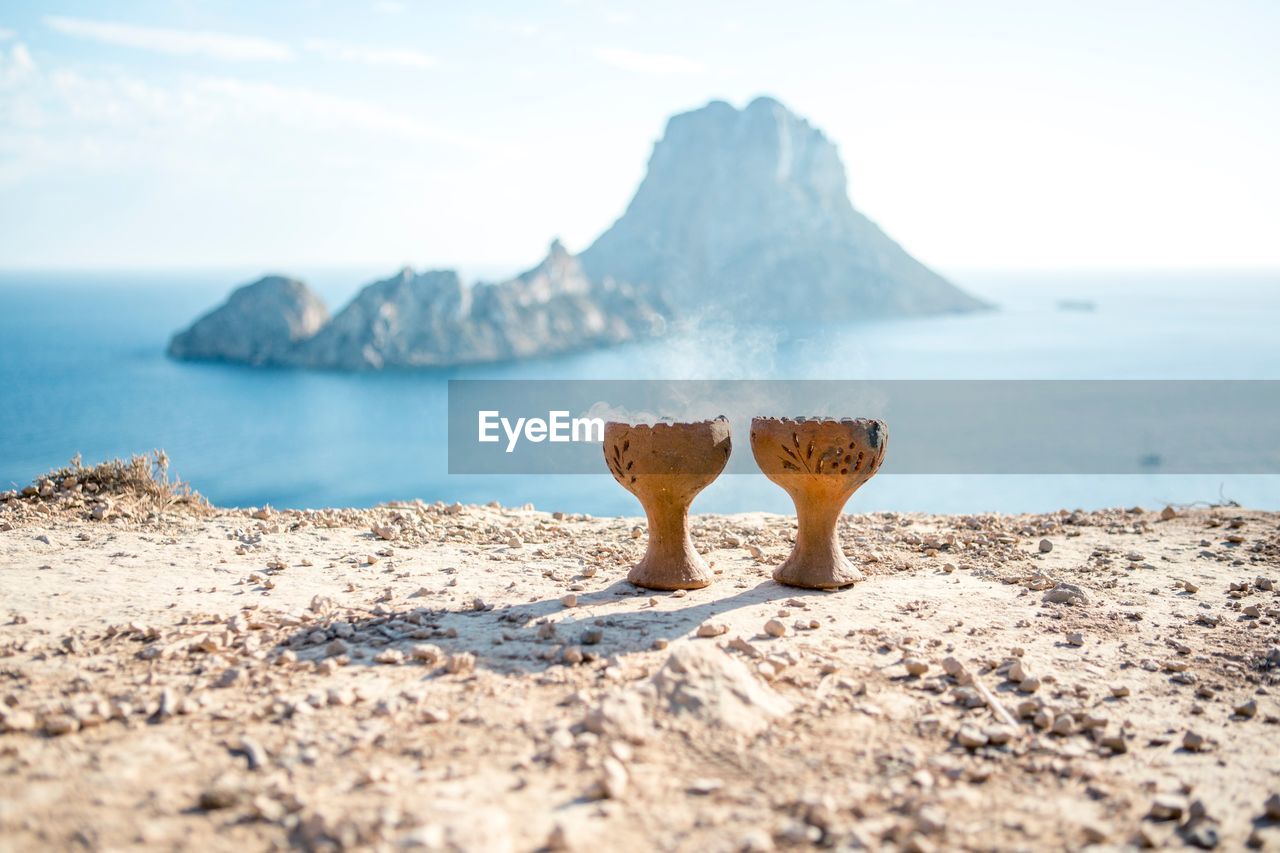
{"x": 432, "y": 319}
{"x": 258, "y": 324}
{"x": 745, "y": 214}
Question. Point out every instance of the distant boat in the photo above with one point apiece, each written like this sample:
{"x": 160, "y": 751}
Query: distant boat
{"x": 1077, "y": 305}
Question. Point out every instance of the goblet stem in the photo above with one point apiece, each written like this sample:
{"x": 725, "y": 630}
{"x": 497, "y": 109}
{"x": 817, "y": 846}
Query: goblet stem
{"x": 817, "y": 561}
{"x": 670, "y": 561}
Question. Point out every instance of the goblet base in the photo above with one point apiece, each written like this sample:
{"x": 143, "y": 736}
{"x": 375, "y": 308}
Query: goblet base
{"x": 824, "y": 574}
{"x": 670, "y": 575}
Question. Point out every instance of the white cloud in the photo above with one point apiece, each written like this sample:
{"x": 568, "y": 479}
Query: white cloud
{"x": 389, "y": 7}
{"x": 507, "y": 25}
{"x": 175, "y": 42}
{"x": 646, "y": 63}
{"x": 373, "y": 55}
{"x": 7, "y": 34}
{"x": 315, "y": 110}
{"x": 16, "y": 66}
{"x": 64, "y": 121}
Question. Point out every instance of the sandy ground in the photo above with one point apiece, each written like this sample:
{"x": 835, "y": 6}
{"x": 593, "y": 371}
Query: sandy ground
{"x": 483, "y": 678}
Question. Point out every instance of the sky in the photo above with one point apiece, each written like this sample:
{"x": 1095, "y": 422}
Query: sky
{"x": 993, "y": 134}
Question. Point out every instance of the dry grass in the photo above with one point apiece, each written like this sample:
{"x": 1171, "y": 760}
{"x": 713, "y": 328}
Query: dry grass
{"x": 141, "y": 485}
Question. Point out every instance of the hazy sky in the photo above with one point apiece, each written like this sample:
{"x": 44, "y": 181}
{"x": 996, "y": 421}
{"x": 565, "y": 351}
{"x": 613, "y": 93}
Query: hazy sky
{"x": 315, "y": 132}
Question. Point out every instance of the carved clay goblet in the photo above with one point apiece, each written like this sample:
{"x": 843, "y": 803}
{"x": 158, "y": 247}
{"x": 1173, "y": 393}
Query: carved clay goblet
{"x": 820, "y": 463}
{"x": 665, "y": 466}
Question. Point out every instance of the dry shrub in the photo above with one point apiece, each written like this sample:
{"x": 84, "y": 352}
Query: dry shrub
{"x": 141, "y": 483}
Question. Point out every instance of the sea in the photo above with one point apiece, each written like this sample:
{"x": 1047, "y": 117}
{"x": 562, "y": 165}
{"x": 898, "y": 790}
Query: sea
{"x": 83, "y": 371}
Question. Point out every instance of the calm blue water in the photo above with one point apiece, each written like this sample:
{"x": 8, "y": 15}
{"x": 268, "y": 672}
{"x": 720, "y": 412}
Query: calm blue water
{"x": 82, "y": 369}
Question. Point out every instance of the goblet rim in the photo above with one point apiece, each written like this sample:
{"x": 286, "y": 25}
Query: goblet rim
{"x": 658, "y": 426}
{"x": 764, "y": 420}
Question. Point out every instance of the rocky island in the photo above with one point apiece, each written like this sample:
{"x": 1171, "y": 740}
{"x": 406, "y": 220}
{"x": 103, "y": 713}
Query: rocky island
{"x": 433, "y": 319}
{"x": 746, "y": 211}
{"x": 258, "y": 324}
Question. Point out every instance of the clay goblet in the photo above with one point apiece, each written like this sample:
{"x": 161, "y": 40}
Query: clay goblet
{"x": 665, "y": 466}
{"x": 820, "y": 463}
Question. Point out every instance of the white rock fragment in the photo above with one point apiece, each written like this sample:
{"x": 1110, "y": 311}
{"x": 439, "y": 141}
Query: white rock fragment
{"x": 460, "y": 663}
{"x": 613, "y": 782}
{"x": 427, "y": 653}
{"x": 705, "y": 683}
{"x": 915, "y": 666}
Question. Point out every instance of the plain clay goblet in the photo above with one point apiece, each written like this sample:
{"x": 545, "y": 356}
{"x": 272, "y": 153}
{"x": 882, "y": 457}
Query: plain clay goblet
{"x": 665, "y": 465}
{"x": 820, "y": 463}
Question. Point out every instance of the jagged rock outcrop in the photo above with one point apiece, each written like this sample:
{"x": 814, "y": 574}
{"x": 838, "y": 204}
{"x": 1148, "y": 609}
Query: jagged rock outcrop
{"x": 745, "y": 214}
{"x": 433, "y": 319}
{"x": 258, "y": 324}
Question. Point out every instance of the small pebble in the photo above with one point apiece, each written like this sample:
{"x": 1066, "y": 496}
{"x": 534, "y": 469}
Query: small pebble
{"x": 1202, "y": 835}
{"x": 999, "y": 734}
{"x": 1167, "y": 807}
{"x": 427, "y": 653}
{"x": 1115, "y": 742}
{"x": 774, "y": 628}
{"x": 1095, "y": 833}
{"x": 460, "y": 663}
{"x": 614, "y": 784}
{"x": 60, "y": 724}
